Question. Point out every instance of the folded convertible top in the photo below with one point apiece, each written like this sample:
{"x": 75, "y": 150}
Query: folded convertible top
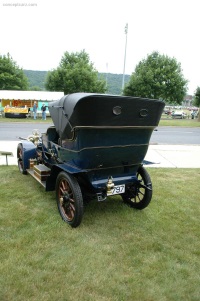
{"x": 100, "y": 110}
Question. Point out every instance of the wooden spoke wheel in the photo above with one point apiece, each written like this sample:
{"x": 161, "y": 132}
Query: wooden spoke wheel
{"x": 69, "y": 199}
{"x": 20, "y": 159}
{"x": 139, "y": 195}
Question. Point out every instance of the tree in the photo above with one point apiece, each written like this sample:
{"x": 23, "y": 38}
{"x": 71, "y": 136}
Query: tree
{"x": 197, "y": 97}
{"x": 158, "y": 77}
{"x": 197, "y": 100}
{"x": 35, "y": 88}
{"x": 75, "y": 73}
{"x": 11, "y": 76}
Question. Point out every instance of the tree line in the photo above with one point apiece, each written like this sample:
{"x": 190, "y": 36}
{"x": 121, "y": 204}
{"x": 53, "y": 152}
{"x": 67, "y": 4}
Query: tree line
{"x": 157, "y": 76}
{"x": 113, "y": 81}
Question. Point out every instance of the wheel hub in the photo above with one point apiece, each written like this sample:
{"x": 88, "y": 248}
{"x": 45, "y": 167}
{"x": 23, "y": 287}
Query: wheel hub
{"x": 65, "y": 200}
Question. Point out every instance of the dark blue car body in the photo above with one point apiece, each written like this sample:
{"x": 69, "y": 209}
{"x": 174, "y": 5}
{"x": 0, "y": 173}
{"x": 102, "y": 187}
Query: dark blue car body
{"x": 96, "y": 139}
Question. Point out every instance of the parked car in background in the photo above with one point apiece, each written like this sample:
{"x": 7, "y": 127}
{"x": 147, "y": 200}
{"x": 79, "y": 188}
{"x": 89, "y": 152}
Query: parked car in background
{"x": 179, "y": 114}
{"x": 167, "y": 112}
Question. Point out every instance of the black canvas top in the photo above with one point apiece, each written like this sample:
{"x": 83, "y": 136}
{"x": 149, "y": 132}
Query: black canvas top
{"x": 101, "y": 110}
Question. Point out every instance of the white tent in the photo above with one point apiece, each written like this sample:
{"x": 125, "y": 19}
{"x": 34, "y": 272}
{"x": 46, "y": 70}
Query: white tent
{"x": 30, "y": 95}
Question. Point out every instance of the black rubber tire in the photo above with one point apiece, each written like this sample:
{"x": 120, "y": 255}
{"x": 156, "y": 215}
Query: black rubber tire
{"x": 139, "y": 196}
{"x": 20, "y": 159}
{"x": 69, "y": 199}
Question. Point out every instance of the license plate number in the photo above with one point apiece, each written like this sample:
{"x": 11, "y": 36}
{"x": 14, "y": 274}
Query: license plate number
{"x": 118, "y": 189}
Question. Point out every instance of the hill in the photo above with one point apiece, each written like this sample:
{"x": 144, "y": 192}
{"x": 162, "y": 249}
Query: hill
{"x": 114, "y": 81}
{"x": 36, "y": 79}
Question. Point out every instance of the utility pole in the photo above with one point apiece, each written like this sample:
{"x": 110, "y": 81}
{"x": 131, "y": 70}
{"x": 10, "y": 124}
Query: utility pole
{"x": 126, "y": 32}
{"x": 106, "y": 77}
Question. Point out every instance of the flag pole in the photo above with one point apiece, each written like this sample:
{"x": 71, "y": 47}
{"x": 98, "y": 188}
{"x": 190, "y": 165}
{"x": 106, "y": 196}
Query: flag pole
{"x": 126, "y": 32}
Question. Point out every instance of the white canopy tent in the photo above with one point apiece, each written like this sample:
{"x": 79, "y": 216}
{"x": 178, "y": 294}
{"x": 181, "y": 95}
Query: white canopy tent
{"x": 30, "y": 95}
{"x": 13, "y": 100}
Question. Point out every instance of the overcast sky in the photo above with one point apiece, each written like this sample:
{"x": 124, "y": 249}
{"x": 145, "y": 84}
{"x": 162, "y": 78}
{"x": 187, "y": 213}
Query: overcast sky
{"x": 37, "y": 35}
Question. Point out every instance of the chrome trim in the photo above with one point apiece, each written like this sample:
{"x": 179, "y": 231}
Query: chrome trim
{"x": 102, "y": 147}
{"x": 115, "y": 127}
{"x": 101, "y": 168}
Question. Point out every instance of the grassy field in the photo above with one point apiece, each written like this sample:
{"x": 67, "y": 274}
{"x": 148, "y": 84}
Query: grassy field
{"x": 165, "y": 121}
{"x": 117, "y": 253}
{"x": 27, "y": 120}
{"x": 179, "y": 122}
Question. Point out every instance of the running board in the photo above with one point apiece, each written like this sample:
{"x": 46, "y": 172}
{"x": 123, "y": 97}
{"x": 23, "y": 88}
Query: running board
{"x": 39, "y": 173}
{"x": 31, "y": 172}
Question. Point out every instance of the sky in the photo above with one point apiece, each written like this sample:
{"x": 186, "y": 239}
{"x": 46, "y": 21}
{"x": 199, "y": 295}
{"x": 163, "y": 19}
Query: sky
{"x": 36, "y": 33}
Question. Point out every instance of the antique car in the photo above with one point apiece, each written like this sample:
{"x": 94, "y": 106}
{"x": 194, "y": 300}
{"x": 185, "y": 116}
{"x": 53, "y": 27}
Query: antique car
{"x": 94, "y": 150}
{"x": 179, "y": 114}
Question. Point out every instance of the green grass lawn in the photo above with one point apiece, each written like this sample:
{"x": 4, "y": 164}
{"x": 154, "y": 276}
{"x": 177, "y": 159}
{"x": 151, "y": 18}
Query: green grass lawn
{"x": 26, "y": 120}
{"x": 117, "y": 253}
{"x": 165, "y": 121}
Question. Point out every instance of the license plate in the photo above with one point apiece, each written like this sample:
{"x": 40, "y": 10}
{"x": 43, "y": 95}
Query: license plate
{"x": 118, "y": 189}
